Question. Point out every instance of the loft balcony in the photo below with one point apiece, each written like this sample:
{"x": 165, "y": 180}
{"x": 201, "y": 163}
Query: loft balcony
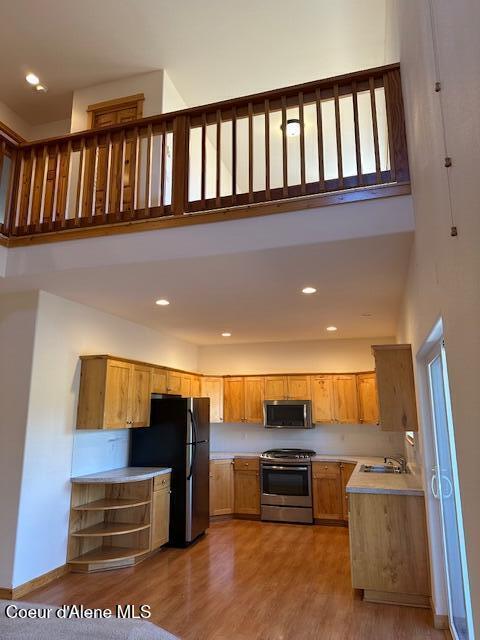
{"x": 233, "y": 159}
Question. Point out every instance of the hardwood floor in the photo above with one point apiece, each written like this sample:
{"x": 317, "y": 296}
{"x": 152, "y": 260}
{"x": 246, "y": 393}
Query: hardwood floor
{"x": 246, "y": 581}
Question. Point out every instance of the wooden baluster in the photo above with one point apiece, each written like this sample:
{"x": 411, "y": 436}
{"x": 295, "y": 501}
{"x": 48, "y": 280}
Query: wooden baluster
{"x": 204, "y": 160}
{"x": 163, "y": 151}
{"x": 338, "y": 136}
{"x": 284, "y": 147}
{"x": 321, "y": 167}
{"x": 9, "y": 224}
{"x": 24, "y": 205}
{"x": 108, "y": 187}
{"x": 81, "y": 170}
{"x": 181, "y": 134}
{"x": 121, "y": 176}
{"x": 373, "y": 104}
{"x": 267, "y": 150}
{"x": 38, "y": 184}
{"x": 63, "y": 185}
{"x": 148, "y": 169}
{"x": 133, "y": 170}
{"x": 101, "y": 180}
{"x": 358, "y": 155}
{"x": 250, "y": 152}
{"x": 397, "y": 139}
{"x": 234, "y": 155}
{"x": 89, "y": 179}
{"x": 218, "y": 175}
{"x": 115, "y": 176}
{"x": 301, "y": 117}
{"x": 50, "y": 185}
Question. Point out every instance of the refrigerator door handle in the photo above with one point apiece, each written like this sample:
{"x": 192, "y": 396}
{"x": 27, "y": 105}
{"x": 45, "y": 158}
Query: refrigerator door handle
{"x": 194, "y": 425}
{"x": 192, "y": 463}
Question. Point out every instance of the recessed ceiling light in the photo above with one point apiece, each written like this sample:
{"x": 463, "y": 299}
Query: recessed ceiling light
{"x": 309, "y": 290}
{"x": 32, "y": 79}
{"x": 226, "y": 334}
{"x": 331, "y": 328}
{"x": 162, "y": 302}
{"x": 42, "y": 88}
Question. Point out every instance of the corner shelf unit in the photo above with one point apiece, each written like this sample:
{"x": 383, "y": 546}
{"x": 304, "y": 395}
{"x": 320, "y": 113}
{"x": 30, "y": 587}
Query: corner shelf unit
{"x": 111, "y": 524}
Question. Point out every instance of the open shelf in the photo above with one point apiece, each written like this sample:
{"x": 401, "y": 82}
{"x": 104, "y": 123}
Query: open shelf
{"x": 108, "y": 554}
{"x": 110, "y": 529}
{"x": 111, "y": 503}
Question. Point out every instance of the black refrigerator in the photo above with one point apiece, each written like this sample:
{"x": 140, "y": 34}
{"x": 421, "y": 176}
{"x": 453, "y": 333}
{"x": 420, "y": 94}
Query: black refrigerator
{"x": 178, "y": 437}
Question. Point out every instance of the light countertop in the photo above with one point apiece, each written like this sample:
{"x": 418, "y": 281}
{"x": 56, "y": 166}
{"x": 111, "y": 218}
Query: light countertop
{"x": 360, "y": 482}
{"x": 124, "y": 474}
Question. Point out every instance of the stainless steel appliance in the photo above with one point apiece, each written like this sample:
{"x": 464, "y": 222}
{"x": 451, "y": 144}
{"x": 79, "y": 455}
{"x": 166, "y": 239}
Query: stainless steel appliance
{"x": 286, "y": 485}
{"x": 287, "y": 414}
{"x": 178, "y": 437}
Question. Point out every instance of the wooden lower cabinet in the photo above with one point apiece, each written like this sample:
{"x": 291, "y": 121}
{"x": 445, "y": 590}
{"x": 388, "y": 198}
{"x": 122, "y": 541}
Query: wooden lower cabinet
{"x": 247, "y": 486}
{"x": 327, "y": 491}
{"x": 221, "y": 487}
{"x": 388, "y": 548}
{"x": 160, "y": 516}
{"x": 346, "y": 470}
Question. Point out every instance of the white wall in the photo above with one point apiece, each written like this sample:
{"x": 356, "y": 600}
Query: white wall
{"x": 150, "y": 84}
{"x": 64, "y": 330}
{"x": 445, "y": 271}
{"x": 50, "y": 129}
{"x": 17, "y": 330}
{"x": 14, "y": 121}
{"x": 315, "y": 356}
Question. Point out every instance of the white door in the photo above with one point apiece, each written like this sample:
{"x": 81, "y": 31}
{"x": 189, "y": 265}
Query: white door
{"x": 445, "y": 487}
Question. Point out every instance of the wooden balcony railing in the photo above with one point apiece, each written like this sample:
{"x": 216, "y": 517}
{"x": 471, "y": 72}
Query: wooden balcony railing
{"x": 235, "y": 157}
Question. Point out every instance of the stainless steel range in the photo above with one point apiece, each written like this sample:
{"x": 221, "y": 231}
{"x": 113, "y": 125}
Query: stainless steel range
{"x": 286, "y": 485}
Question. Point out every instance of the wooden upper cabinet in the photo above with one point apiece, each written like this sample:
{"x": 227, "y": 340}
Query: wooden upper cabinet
{"x": 276, "y": 388}
{"x": 114, "y": 394}
{"x": 322, "y": 399}
{"x": 196, "y": 387}
{"x": 234, "y": 400}
{"x": 298, "y": 388}
{"x": 396, "y": 387}
{"x": 174, "y": 382}
{"x": 186, "y": 385}
{"x": 140, "y": 392}
{"x": 117, "y": 111}
{"x": 212, "y": 387}
{"x": 367, "y": 398}
{"x": 254, "y": 397}
{"x": 345, "y": 398}
{"x": 159, "y": 381}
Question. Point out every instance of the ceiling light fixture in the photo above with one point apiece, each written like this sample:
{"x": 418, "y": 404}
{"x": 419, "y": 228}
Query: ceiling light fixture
{"x": 226, "y": 334}
{"x": 293, "y": 127}
{"x": 162, "y": 302}
{"x": 309, "y": 290}
{"x": 32, "y": 79}
{"x": 331, "y": 328}
{"x": 42, "y": 88}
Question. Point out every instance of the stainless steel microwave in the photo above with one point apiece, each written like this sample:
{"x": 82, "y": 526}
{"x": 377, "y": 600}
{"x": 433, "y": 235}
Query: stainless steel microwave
{"x": 287, "y": 414}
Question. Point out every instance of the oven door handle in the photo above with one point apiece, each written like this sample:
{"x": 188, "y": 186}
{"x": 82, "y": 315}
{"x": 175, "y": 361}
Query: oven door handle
{"x": 289, "y": 468}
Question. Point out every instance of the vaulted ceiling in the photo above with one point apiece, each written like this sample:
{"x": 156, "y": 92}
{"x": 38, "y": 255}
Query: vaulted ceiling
{"x": 213, "y": 49}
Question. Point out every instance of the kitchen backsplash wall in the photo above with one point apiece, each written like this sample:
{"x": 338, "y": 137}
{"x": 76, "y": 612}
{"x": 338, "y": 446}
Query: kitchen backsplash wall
{"x": 351, "y": 439}
{"x": 95, "y": 451}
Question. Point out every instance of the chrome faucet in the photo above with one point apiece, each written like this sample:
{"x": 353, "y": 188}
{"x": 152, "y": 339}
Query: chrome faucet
{"x": 400, "y": 460}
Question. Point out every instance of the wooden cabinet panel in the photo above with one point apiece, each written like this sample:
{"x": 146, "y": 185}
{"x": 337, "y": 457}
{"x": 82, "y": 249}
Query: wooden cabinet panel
{"x": 160, "y": 518}
{"x": 221, "y": 487}
{"x": 117, "y": 395}
{"x": 298, "y": 388}
{"x": 367, "y": 398}
{"x": 234, "y": 400}
{"x": 345, "y": 398}
{"x": 140, "y": 392}
{"x": 396, "y": 387}
{"x": 247, "y": 490}
{"x": 346, "y": 470}
{"x": 254, "y": 397}
{"x": 196, "y": 387}
{"x": 174, "y": 382}
{"x": 322, "y": 399}
{"x": 388, "y": 544}
{"x": 186, "y": 385}
{"x": 327, "y": 491}
{"x": 159, "y": 381}
{"x": 212, "y": 387}
{"x": 276, "y": 388}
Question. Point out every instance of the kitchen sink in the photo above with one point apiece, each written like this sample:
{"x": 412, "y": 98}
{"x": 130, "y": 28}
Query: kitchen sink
{"x": 381, "y": 468}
